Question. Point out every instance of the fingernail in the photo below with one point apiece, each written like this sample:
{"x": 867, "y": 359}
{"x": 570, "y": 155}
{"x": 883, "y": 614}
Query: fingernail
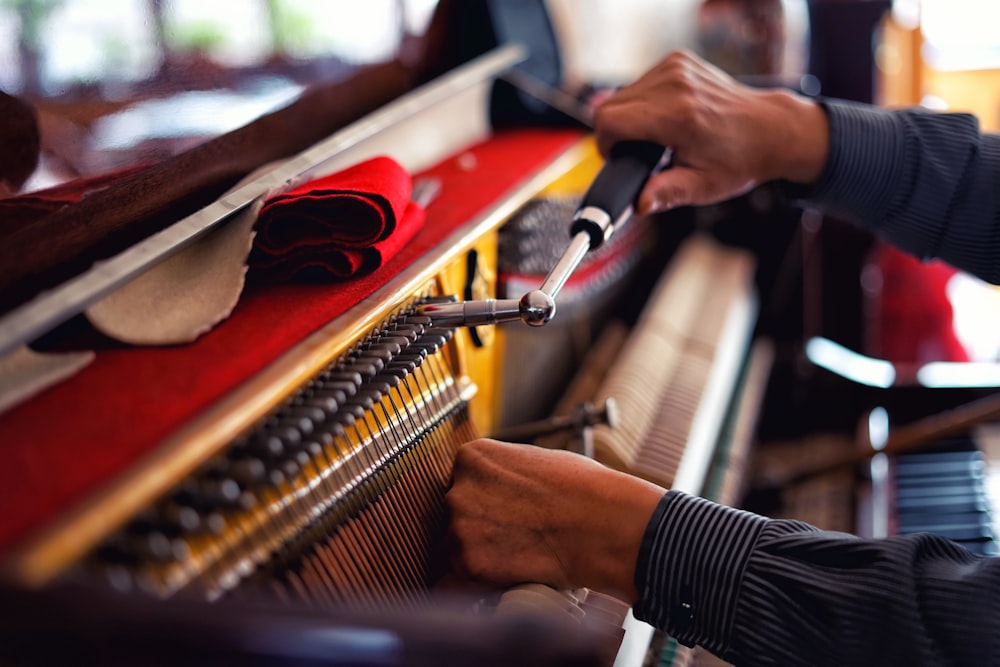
{"x": 653, "y": 205}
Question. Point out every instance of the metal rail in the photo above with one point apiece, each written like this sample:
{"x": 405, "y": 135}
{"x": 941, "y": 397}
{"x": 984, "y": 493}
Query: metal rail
{"x": 49, "y": 309}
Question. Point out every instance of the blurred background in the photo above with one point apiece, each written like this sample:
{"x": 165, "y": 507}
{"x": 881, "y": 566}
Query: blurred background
{"x": 87, "y": 61}
{"x": 120, "y": 80}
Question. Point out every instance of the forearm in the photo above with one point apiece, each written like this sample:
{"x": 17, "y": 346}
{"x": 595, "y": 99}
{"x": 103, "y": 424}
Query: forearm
{"x": 757, "y": 591}
{"x": 926, "y": 182}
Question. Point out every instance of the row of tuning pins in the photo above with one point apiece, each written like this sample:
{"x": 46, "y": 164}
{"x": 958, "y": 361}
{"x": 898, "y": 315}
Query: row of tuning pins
{"x": 265, "y": 462}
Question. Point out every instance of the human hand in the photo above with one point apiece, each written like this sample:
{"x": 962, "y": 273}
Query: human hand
{"x": 521, "y": 513}
{"x": 726, "y": 137}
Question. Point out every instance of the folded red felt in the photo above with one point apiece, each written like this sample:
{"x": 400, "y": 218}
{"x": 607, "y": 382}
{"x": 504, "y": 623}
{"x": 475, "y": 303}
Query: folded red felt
{"x": 338, "y": 226}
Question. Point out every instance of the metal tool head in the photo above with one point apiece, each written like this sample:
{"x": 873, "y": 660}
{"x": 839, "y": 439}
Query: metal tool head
{"x": 537, "y": 308}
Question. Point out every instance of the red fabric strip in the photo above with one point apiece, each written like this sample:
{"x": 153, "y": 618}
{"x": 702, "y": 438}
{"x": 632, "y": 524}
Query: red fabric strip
{"x": 380, "y": 183}
{"x": 79, "y": 434}
{"x": 323, "y": 261}
{"x": 339, "y": 226}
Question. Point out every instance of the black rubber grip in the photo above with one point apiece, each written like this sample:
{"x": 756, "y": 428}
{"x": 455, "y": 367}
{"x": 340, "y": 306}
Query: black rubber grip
{"x": 618, "y": 184}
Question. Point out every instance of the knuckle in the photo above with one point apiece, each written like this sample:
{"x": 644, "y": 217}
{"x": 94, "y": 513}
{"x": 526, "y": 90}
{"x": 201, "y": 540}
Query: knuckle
{"x": 685, "y": 56}
{"x": 678, "y": 66}
{"x": 602, "y": 115}
{"x": 675, "y": 58}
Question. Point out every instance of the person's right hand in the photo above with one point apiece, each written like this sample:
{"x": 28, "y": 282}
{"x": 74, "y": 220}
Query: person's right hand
{"x": 726, "y": 137}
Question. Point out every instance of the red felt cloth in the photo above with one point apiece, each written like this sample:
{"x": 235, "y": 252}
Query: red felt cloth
{"x": 77, "y": 435}
{"x": 345, "y": 224}
{"x": 910, "y": 319}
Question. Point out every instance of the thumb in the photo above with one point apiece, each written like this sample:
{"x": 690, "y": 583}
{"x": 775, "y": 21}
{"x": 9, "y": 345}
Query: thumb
{"x": 673, "y": 187}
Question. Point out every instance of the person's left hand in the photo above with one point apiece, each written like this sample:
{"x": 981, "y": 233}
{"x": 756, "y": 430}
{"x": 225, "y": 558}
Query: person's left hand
{"x": 520, "y": 513}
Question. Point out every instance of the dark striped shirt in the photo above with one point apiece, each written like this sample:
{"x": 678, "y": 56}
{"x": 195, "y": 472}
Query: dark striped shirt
{"x": 929, "y": 183}
{"x": 758, "y": 591}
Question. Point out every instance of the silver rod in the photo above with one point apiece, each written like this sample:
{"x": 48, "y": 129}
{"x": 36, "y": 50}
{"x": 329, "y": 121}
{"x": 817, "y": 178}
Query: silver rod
{"x": 570, "y": 259}
{"x": 50, "y": 308}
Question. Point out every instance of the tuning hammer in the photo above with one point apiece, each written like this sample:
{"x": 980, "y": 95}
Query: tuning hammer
{"x": 607, "y": 204}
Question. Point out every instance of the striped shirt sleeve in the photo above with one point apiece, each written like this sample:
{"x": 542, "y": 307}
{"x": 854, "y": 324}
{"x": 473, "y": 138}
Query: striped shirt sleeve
{"x": 926, "y": 182}
{"x": 758, "y": 591}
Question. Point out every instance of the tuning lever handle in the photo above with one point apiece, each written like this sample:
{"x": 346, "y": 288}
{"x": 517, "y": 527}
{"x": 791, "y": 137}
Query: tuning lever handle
{"x": 610, "y": 199}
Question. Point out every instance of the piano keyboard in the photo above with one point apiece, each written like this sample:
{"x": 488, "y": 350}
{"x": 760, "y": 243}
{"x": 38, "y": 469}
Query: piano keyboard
{"x": 945, "y": 493}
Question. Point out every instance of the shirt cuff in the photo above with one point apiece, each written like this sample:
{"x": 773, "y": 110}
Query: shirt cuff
{"x": 867, "y": 147}
{"x": 894, "y": 171}
{"x": 690, "y": 568}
